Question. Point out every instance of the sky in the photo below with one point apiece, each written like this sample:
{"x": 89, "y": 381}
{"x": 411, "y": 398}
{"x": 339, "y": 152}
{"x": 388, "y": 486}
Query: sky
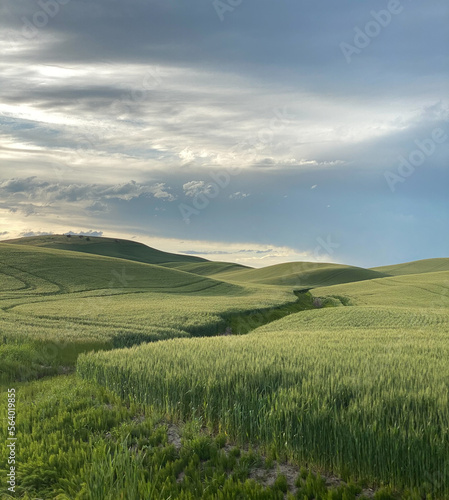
{"x": 249, "y": 131}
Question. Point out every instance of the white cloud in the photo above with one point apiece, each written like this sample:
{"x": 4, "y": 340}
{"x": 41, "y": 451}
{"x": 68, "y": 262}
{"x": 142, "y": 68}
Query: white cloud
{"x": 17, "y": 191}
{"x": 160, "y": 191}
{"x": 26, "y": 234}
{"x": 195, "y": 188}
{"x": 238, "y": 196}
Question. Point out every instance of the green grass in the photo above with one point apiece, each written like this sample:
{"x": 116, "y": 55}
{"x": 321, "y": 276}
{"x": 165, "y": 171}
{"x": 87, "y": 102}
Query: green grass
{"x": 413, "y": 291}
{"x": 416, "y": 267}
{"x": 354, "y": 384}
{"x": 361, "y": 388}
{"x": 111, "y": 247}
{"x": 373, "y": 401}
{"x": 301, "y": 274}
{"x": 45, "y": 270}
{"x": 207, "y": 268}
{"x": 61, "y": 303}
{"x": 79, "y": 441}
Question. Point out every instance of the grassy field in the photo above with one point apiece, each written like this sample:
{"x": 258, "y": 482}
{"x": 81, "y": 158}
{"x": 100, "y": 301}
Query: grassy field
{"x": 348, "y": 381}
{"x": 110, "y": 247}
{"x": 301, "y": 274}
{"x": 416, "y": 267}
{"x": 79, "y": 441}
{"x": 367, "y": 402}
{"x": 56, "y": 303}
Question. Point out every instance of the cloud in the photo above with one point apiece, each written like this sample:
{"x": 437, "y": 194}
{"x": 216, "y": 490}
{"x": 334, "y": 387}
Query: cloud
{"x": 20, "y": 192}
{"x": 97, "y": 206}
{"x": 27, "y": 234}
{"x": 160, "y": 191}
{"x": 224, "y": 252}
{"x": 238, "y": 196}
{"x": 21, "y": 185}
{"x": 195, "y": 188}
{"x": 85, "y": 233}
{"x": 112, "y": 108}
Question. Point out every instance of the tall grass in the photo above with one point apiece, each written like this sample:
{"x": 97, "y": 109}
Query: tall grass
{"x": 371, "y": 401}
{"x": 78, "y": 441}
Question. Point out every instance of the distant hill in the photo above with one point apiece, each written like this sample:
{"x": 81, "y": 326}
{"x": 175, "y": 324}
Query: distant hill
{"x": 52, "y": 271}
{"x": 412, "y": 291}
{"x": 415, "y": 267}
{"x": 207, "y": 268}
{"x": 302, "y": 274}
{"x": 110, "y": 247}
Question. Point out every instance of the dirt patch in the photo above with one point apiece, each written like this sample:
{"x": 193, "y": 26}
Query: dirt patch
{"x": 173, "y": 436}
{"x": 369, "y": 493}
{"x": 267, "y": 477}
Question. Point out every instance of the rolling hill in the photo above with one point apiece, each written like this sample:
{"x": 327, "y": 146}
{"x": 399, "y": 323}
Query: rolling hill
{"x": 110, "y": 247}
{"x": 207, "y": 268}
{"x": 301, "y": 274}
{"x": 355, "y": 383}
{"x": 415, "y": 267}
{"x": 48, "y": 270}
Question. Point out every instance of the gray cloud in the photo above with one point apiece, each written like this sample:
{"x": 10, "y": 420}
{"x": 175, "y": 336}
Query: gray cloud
{"x": 116, "y": 112}
{"x": 219, "y": 252}
{"x": 27, "y": 234}
{"x": 86, "y": 233}
{"x": 33, "y": 189}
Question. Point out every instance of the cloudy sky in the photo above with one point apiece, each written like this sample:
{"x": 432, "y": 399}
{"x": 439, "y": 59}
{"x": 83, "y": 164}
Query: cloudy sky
{"x": 243, "y": 130}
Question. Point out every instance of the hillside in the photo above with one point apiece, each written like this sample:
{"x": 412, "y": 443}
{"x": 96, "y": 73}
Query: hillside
{"x": 48, "y": 270}
{"x": 207, "y": 268}
{"x": 350, "y": 377}
{"x": 111, "y": 247}
{"x": 413, "y": 290}
{"x": 292, "y": 274}
{"x": 87, "y": 301}
{"x": 302, "y": 274}
{"x": 415, "y": 267}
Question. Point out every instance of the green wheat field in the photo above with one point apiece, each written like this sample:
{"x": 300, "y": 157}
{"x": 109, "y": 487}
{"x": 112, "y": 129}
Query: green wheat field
{"x": 141, "y": 374}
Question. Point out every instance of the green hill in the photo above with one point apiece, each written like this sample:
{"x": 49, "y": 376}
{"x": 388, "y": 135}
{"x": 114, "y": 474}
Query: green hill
{"x": 48, "y": 270}
{"x": 415, "y": 267}
{"x": 302, "y": 274}
{"x": 82, "y": 301}
{"x": 207, "y": 268}
{"x": 349, "y": 378}
{"x": 111, "y": 247}
{"x": 413, "y": 290}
